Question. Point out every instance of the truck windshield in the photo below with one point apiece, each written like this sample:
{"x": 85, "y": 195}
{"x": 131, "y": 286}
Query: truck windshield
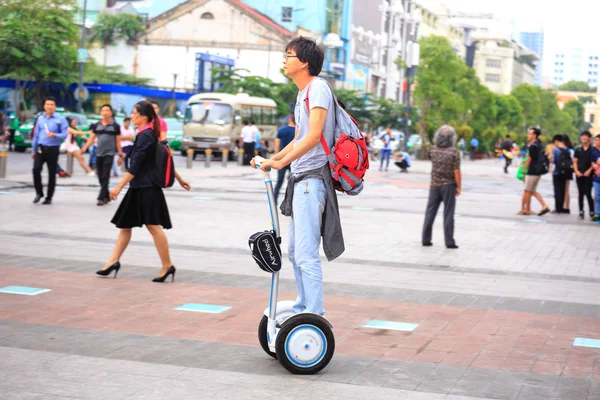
{"x": 208, "y": 113}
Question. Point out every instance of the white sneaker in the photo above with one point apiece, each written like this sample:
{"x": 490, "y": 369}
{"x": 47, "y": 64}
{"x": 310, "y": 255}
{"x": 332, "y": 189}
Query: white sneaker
{"x": 91, "y": 173}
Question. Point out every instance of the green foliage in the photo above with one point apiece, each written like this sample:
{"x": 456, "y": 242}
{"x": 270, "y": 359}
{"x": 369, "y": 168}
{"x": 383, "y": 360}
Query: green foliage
{"x": 577, "y": 112}
{"x": 528, "y": 98}
{"x": 437, "y": 80}
{"x": 109, "y": 27}
{"x": 37, "y": 41}
{"x": 577, "y": 86}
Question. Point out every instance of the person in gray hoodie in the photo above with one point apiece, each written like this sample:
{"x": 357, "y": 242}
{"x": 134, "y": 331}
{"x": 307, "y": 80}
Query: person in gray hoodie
{"x": 445, "y": 184}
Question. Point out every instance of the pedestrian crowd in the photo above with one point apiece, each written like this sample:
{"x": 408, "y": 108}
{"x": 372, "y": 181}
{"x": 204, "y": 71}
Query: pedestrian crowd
{"x": 565, "y": 162}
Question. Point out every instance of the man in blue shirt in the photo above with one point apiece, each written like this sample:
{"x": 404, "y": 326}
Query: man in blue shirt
{"x": 50, "y": 130}
{"x": 402, "y": 160}
{"x": 285, "y": 136}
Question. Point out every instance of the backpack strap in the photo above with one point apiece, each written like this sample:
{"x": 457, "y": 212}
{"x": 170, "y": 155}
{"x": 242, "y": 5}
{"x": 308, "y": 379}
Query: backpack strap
{"x": 323, "y": 141}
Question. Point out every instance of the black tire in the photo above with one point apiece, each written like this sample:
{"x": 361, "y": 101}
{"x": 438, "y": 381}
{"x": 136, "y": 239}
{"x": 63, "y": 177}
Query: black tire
{"x": 183, "y": 153}
{"x": 288, "y": 328}
{"x": 262, "y": 336}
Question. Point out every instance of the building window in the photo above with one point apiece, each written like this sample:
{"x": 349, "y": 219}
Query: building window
{"x": 207, "y": 15}
{"x": 592, "y": 118}
{"x": 492, "y": 77}
{"x": 491, "y": 63}
{"x": 286, "y": 14}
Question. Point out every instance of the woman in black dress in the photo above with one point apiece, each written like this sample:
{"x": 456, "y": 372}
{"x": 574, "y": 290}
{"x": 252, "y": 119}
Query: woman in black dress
{"x": 144, "y": 203}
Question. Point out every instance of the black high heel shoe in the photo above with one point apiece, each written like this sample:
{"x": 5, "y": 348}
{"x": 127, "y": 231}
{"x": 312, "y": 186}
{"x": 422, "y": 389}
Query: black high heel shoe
{"x": 106, "y": 272}
{"x": 170, "y": 271}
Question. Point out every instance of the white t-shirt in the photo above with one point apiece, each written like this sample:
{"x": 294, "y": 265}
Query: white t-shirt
{"x": 127, "y": 132}
{"x": 249, "y": 134}
{"x": 320, "y": 95}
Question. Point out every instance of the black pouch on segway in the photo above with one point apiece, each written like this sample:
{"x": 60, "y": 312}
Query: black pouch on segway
{"x": 266, "y": 251}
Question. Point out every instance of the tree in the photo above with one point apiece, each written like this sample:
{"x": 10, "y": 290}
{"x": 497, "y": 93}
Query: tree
{"x": 510, "y": 112}
{"x": 37, "y": 41}
{"x": 528, "y": 98}
{"x": 437, "y": 77}
{"x": 110, "y": 27}
{"x": 577, "y": 112}
{"x": 577, "y": 86}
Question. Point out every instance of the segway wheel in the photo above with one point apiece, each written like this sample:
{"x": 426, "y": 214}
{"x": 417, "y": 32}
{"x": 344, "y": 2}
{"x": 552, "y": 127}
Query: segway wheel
{"x": 305, "y": 345}
{"x": 262, "y": 336}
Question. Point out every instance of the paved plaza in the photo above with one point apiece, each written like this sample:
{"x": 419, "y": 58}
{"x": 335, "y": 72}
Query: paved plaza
{"x": 503, "y": 317}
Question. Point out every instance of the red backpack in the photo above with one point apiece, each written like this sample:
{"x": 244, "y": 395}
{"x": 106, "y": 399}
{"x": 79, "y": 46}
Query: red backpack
{"x": 349, "y": 160}
{"x": 163, "y": 173}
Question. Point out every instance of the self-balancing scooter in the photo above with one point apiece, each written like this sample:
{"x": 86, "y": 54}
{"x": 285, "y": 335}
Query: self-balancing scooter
{"x": 303, "y": 343}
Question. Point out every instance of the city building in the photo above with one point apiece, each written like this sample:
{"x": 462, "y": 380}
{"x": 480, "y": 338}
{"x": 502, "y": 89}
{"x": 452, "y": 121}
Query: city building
{"x": 181, "y": 45}
{"x": 534, "y": 41}
{"x": 329, "y": 20}
{"x": 574, "y": 64}
{"x": 503, "y": 64}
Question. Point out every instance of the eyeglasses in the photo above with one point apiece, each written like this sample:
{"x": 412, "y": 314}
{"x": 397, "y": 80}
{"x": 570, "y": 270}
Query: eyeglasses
{"x": 288, "y": 56}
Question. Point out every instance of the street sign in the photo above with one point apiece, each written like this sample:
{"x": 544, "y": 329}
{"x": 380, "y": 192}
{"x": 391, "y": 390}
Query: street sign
{"x": 82, "y": 55}
{"x": 84, "y": 94}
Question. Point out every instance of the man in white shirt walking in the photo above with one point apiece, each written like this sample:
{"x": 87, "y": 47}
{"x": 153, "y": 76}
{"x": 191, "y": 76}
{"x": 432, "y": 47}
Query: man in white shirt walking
{"x": 248, "y": 141}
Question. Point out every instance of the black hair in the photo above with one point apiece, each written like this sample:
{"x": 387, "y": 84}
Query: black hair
{"x": 508, "y": 136}
{"x": 567, "y": 141}
{"x": 69, "y": 120}
{"x": 558, "y": 138}
{"x": 110, "y": 108}
{"x": 49, "y": 98}
{"x": 308, "y": 51}
{"x": 536, "y": 131}
{"x": 251, "y": 122}
{"x": 127, "y": 119}
{"x": 245, "y": 122}
{"x": 145, "y": 109}
{"x": 155, "y": 103}
{"x": 598, "y": 136}
{"x": 586, "y": 133}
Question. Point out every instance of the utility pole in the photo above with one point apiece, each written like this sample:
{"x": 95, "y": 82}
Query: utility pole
{"x": 80, "y": 92}
{"x": 174, "y": 97}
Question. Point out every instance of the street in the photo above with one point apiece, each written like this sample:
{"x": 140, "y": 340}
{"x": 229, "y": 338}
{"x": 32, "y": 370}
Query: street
{"x": 496, "y": 319}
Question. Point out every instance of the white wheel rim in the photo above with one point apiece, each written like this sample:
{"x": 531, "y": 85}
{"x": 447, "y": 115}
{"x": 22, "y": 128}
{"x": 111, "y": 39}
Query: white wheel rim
{"x": 305, "y": 346}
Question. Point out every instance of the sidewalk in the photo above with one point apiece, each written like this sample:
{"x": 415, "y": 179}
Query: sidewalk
{"x": 495, "y": 319}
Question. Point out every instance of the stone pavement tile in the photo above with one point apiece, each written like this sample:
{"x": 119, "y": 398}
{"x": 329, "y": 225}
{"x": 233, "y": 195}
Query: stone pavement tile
{"x": 536, "y": 393}
{"x": 548, "y": 367}
{"x": 346, "y": 369}
{"x": 465, "y": 387}
{"x": 572, "y": 388}
{"x": 483, "y": 361}
{"x": 324, "y": 390}
{"x": 430, "y": 356}
{"x": 437, "y": 385}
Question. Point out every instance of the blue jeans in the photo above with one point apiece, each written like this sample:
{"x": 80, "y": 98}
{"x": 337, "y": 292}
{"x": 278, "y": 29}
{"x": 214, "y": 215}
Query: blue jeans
{"x": 305, "y": 238}
{"x": 385, "y": 156}
{"x": 597, "y": 197}
{"x": 93, "y": 149}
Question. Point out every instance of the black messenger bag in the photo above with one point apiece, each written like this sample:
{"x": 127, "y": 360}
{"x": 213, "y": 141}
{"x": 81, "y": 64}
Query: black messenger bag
{"x": 266, "y": 251}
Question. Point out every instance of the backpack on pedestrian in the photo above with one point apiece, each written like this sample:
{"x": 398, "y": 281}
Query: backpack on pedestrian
{"x": 163, "y": 173}
{"x": 564, "y": 164}
{"x": 348, "y": 158}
